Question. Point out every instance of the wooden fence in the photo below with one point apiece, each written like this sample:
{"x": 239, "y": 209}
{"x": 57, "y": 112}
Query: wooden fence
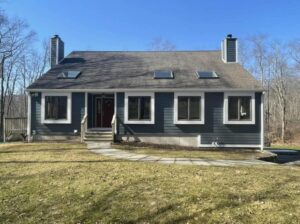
{"x": 14, "y": 125}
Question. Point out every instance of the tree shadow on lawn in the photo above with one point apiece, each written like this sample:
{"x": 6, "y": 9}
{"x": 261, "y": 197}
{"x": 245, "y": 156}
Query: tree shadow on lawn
{"x": 63, "y": 161}
{"x": 7, "y": 150}
{"x": 101, "y": 208}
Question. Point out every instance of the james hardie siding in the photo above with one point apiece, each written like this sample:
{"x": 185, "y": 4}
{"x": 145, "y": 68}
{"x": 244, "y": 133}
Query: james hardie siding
{"x": 212, "y": 130}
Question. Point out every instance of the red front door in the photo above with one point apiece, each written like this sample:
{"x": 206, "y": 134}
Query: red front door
{"x": 104, "y": 111}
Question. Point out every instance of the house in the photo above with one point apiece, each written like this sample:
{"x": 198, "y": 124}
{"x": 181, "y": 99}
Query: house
{"x": 189, "y": 98}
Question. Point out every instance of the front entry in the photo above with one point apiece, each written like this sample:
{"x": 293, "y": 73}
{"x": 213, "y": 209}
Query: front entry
{"x": 104, "y": 111}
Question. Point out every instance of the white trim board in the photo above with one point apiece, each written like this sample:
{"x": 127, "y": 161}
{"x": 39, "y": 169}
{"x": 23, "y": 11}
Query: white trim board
{"x": 225, "y": 108}
{"x": 262, "y": 120}
{"x": 152, "y": 104}
{"x": 228, "y": 146}
{"x": 28, "y": 117}
{"x": 202, "y": 95}
{"x": 69, "y": 109}
{"x": 142, "y": 90}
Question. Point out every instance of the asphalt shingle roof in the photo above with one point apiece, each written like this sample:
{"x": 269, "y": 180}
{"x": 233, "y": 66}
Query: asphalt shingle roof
{"x": 134, "y": 70}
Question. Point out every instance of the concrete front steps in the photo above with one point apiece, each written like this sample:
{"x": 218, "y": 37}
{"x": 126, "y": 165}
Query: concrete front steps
{"x": 98, "y": 136}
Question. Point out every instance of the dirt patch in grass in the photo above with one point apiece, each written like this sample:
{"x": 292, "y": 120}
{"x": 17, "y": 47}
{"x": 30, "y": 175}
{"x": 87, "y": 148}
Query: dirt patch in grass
{"x": 188, "y": 152}
{"x": 65, "y": 183}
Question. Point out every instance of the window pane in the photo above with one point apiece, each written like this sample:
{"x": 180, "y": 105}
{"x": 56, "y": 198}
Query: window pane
{"x": 245, "y": 108}
{"x": 233, "y": 108}
{"x": 56, "y": 107}
{"x": 182, "y": 108}
{"x": 133, "y": 108}
{"x": 62, "y": 107}
{"x": 145, "y": 108}
{"x": 49, "y": 105}
{"x": 195, "y": 108}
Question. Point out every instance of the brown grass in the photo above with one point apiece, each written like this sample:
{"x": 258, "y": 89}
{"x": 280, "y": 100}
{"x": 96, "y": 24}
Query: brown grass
{"x": 65, "y": 183}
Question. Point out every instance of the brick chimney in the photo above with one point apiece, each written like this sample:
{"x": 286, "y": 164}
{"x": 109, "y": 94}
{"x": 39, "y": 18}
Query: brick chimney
{"x": 57, "y": 50}
{"x": 229, "y": 49}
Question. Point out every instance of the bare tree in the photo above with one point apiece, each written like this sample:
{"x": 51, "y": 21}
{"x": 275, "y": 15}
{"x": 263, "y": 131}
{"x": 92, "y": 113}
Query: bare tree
{"x": 31, "y": 66}
{"x": 271, "y": 63}
{"x": 14, "y": 39}
{"x": 294, "y": 50}
{"x": 159, "y": 44}
{"x": 280, "y": 72}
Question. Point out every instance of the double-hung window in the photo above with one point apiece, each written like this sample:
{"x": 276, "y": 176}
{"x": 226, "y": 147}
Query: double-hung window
{"x": 239, "y": 108}
{"x": 56, "y": 108}
{"x": 189, "y": 108}
{"x": 139, "y": 108}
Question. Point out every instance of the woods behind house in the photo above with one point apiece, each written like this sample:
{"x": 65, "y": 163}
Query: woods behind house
{"x": 23, "y": 60}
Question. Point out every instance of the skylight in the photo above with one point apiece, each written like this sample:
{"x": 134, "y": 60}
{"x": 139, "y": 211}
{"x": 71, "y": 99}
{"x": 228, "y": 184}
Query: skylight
{"x": 207, "y": 75}
{"x": 163, "y": 75}
{"x": 68, "y": 75}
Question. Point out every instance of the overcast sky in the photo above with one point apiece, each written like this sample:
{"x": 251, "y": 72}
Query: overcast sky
{"x": 133, "y": 24}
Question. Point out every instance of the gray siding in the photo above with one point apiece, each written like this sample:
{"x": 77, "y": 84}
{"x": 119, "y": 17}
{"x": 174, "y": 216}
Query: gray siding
{"x": 231, "y": 50}
{"x": 57, "y": 129}
{"x": 212, "y": 130}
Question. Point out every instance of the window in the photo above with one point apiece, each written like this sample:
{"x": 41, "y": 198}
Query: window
{"x": 68, "y": 75}
{"x": 56, "y": 108}
{"x": 239, "y": 108}
{"x": 207, "y": 75}
{"x": 189, "y": 108}
{"x": 163, "y": 75}
{"x": 139, "y": 108}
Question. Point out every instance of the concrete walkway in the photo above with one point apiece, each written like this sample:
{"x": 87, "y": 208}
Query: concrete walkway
{"x": 106, "y": 150}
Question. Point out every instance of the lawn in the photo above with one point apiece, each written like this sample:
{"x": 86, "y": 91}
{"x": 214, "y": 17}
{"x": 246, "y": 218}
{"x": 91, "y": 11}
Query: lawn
{"x": 65, "y": 183}
{"x": 294, "y": 147}
{"x": 203, "y": 154}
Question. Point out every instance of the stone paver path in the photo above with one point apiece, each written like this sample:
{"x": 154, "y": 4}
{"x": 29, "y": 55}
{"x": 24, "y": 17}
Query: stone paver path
{"x": 106, "y": 150}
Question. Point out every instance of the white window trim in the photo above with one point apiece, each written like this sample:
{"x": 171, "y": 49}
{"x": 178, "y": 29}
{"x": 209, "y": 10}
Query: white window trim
{"x": 69, "y": 109}
{"x": 201, "y": 94}
{"x": 152, "y": 105}
{"x": 225, "y": 109}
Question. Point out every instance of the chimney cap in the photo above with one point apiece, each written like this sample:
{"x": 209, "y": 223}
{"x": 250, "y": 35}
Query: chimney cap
{"x": 55, "y": 36}
{"x": 229, "y": 35}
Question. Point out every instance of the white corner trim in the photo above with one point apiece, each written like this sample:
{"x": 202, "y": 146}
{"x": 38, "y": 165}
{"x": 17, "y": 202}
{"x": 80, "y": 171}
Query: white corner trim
{"x": 69, "y": 109}
{"x": 29, "y": 117}
{"x": 152, "y": 104}
{"x": 262, "y": 120}
{"x": 225, "y": 107}
{"x": 202, "y": 95}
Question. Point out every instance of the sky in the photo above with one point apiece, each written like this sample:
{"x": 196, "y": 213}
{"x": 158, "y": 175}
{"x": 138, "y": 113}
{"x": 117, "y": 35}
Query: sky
{"x": 134, "y": 24}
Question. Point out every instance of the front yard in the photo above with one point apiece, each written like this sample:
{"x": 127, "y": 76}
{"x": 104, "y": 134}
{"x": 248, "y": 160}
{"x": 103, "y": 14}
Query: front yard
{"x": 65, "y": 183}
